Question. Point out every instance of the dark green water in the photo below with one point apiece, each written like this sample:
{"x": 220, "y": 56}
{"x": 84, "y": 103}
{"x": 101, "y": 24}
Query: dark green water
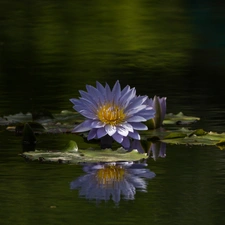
{"x": 51, "y": 49}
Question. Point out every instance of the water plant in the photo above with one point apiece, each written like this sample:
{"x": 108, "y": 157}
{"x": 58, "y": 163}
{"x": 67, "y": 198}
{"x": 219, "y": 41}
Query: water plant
{"x": 159, "y": 105}
{"x": 117, "y": 113}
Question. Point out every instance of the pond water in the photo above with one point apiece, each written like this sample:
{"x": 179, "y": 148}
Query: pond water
{"x": 50, "y": 50}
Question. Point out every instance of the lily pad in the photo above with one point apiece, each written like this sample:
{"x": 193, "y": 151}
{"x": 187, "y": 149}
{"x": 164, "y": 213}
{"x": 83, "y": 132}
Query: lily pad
{"x": 200, "y": 138}
{"x": 73, "y": 155}
{"x": 179, "y": 119}
{"x": 186, "y": 136}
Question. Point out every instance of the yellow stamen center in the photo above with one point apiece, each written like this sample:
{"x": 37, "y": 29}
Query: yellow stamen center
{"x": 109, "y": 175}
{"x": 111, "y": 114}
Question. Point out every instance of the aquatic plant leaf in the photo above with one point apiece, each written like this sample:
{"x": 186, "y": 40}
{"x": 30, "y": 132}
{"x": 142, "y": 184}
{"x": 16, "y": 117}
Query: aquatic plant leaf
{"x": 162, "y": 133}
{"x": 175, "y": 134}
{"x": 71, "y": 147}
{"x": 62, "y": 122}
{"x": 179, "y": 119}
{"x": 202, "y": 138}
{"x": 18, "y": 118}
{"x": 198, "y": 132}
{"x": 185, "y": 136}
{"x": 87, "y": 155}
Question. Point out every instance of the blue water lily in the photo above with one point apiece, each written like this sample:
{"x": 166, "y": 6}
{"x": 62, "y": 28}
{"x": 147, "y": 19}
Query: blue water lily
{"x": 115, "y": 113}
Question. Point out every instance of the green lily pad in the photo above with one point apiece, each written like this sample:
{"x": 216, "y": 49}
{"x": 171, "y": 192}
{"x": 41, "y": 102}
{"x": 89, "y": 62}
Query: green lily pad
{"x": 174, "y": 135}
{"x": 200, "y": 138}
{"x": 198, "y": 132}
{"x": 186, "y": 136}
{"x": 73, "y": 155}
{"x": 179, "y": 119}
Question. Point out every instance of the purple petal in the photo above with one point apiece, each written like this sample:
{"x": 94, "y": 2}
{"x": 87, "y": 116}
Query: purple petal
{"x": 97, "y": 96}
{"x": 126, "y": 142}
{"x": 92, "y": 90}
{"x": 86, "y": 113}
{"x": 92, "y": 134}
{"x": 74, "y": 101}
{"x": 133, "y": 111}
{"x": 85, "y": 126}
{"x": 97, "y": 124}
{"x": 136, "y": 103}
{"x": 117, "y": 137}
{"x": 122, "y": 131}
{"x": 125, "y": 90}
{"x": 110, "y": 129}
{"x": 90, "y": 105}
{"x": 139, "y": 126}
{"x": 127, "y": 126}
{"x": 163, "y": 107}
{"x": 147, "y": 114}
{"x": 108, "y": 93}
{"x": 88, "y": 97}
{"x": 116, "y": 92}
{"x": 100, "y": 87}
{"x": 125, "y": 99}
{"x": 136, "y": 119}
{"x": 101, "y": 132}
{"x": 134, "y": 135}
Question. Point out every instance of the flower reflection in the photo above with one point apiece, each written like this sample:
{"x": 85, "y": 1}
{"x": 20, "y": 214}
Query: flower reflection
{"x": 154, "y": 149}
{"x": 105, "y": 181}
{"x": 157, "y": 150}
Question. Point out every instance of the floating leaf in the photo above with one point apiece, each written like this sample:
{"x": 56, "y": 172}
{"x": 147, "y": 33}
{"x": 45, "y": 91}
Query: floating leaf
{"x": 68, "y": 155}
{"x": 208, "y": 138}
{"x": 186, "y": 136}
{"x": 179, "y": 119}
{"x": 162, "y": 133}
{"x": 198, "y": 132}
{"x": 175, "y": 134}
{"x": 19, "y": 117}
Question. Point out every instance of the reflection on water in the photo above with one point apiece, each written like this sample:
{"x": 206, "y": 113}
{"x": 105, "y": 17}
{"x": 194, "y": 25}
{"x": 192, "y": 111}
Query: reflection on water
{"x": 105, "y": 181}
{"x": 157, "y": 150}
{"x": 153, "y": 149}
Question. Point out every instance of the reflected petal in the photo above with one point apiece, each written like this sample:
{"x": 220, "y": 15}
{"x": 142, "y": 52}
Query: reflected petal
{"x": 107, "y": 181}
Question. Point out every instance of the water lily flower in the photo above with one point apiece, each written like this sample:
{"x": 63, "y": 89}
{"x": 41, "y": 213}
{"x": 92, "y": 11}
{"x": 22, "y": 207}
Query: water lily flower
{"x": 105, "y": 181}
{"x": 116, "y": 113}
{"x": 159, "y": 105}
